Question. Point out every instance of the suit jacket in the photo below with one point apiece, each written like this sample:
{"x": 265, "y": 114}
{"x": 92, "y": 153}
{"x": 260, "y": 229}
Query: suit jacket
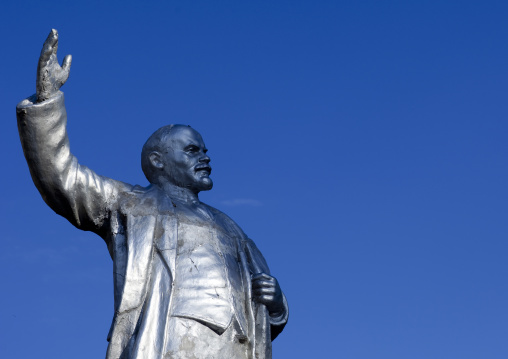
{"x": 134, "y": 221}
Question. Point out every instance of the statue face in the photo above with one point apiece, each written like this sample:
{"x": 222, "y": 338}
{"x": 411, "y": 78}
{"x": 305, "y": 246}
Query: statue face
{"x": 185, "y": 161}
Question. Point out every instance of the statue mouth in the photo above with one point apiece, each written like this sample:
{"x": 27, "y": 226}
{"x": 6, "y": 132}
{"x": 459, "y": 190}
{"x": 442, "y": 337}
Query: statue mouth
{"x": 204, "y": 168}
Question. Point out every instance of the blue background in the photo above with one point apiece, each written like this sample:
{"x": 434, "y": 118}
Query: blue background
{"x": 362, "y": 144}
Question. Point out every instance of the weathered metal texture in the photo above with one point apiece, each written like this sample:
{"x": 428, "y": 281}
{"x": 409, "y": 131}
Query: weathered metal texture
{"x": 188, "y": 283}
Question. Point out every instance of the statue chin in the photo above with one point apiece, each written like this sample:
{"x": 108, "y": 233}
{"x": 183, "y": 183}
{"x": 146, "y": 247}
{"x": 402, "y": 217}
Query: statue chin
{"x": 205, "y": 184}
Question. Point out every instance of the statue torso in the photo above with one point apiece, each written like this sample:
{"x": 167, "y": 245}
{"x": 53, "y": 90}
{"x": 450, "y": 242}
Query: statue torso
{"x": 208, "y": 281}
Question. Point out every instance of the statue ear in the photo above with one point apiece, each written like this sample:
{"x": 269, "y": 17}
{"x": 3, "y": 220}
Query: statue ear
{"x": 156, "y": 159}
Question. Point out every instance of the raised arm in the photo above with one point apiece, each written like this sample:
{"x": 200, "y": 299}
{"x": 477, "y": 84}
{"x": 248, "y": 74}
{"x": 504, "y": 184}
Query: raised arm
{"x": 70, "y": 189}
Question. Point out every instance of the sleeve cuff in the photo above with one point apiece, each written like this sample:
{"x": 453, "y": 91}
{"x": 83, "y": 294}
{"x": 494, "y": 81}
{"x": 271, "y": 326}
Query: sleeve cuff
{"x": 282, "y": 318}
{"x": 31, "y": 104}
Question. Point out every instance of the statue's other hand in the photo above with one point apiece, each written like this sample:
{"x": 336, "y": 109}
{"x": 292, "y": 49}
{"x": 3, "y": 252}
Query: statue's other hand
{"x": 50, "y": 75}
{"x": 266, "y": 290}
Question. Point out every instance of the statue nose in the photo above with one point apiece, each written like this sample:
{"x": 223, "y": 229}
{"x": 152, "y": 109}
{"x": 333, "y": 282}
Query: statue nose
{"x": 205, "y": 159}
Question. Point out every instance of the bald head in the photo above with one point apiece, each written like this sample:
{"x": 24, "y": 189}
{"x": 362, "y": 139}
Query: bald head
{"x": 177, "y": 153}
{"x": 154, "y": 144}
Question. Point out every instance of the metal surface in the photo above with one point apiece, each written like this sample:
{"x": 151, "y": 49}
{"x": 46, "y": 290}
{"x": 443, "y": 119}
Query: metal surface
{"x": 188, "y": 283}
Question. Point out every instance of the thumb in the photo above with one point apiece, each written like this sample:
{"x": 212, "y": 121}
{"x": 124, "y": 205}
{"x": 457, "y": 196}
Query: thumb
{"x": 66, "y": 68}
{"x": 66, "y": 64}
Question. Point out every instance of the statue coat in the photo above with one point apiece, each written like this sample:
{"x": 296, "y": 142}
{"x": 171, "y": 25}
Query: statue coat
{"x": 137, "y": 223}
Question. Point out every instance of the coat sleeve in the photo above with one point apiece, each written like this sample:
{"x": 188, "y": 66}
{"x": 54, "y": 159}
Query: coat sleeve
{"x": 259, "y": 263}
{"x": 70, "y": 189}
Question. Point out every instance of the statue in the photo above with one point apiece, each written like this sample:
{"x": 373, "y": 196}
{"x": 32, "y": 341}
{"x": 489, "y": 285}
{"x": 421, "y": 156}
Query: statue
{"x": 188, "y": 283}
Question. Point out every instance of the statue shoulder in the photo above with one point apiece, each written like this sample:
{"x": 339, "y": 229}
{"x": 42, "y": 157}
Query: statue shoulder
{"x": 140, "y": 201}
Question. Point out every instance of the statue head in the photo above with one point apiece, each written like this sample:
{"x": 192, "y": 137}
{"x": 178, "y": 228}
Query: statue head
{"x": 177, "y": 154}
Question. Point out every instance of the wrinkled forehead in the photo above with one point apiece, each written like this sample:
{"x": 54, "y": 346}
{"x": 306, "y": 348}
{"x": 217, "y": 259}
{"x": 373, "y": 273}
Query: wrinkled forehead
{"x": 182, "y": 136}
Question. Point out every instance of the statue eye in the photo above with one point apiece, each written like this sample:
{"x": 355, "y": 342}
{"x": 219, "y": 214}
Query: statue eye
{"x": 192, "y": 149}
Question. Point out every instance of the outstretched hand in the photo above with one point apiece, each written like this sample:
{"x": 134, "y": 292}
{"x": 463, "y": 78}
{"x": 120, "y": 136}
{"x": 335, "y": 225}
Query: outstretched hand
{"x": 50, "y": 75}
{"x": 266, "y": 290}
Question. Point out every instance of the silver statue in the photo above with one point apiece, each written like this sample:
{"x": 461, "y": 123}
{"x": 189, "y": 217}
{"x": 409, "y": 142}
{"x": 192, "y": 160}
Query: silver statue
{"x": 188, "y": 283}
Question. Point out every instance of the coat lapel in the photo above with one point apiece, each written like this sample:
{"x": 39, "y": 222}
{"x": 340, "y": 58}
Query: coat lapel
{"x": 139, "y": 243}
{"x": 166, "y": 233}
{"x": 166, "y": 242}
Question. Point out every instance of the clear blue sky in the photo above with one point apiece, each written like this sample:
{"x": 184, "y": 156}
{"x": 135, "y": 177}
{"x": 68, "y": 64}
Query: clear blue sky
{"x": 362, "y": 144}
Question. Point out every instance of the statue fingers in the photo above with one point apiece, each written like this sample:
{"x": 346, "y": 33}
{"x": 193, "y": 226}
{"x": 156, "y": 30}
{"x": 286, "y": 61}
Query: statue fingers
{"x": 260, "y": 292}
{"x": 50, "y": 46}
{"x": 264, "y": 284}
{"x": 265, "y": 299}
{"x": 261, "y": 276}
{"x": 264, "y": 280}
